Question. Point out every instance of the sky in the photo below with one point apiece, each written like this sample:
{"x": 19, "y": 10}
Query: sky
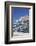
{"x": 18, "y": 12}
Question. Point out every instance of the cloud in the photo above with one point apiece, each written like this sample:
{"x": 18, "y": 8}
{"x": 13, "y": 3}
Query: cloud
{"x": 16, "y": 20}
